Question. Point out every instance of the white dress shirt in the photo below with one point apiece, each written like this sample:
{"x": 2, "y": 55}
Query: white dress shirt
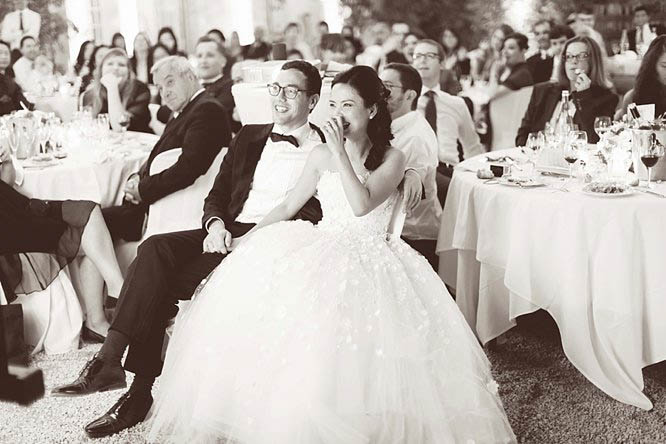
{"x": 413, "y": 136}
{"x": 454, "y": 123}
{"x": 277, "y": 172}
{"x": 26, "y": 76}
{"x": 11, "y": 26}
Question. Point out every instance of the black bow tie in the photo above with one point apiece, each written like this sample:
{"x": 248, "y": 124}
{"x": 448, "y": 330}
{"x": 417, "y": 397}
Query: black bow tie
{"x": 275, "y": 137}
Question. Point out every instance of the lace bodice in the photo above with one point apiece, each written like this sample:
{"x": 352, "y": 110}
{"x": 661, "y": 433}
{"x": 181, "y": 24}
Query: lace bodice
{"x": 338, "y": 214}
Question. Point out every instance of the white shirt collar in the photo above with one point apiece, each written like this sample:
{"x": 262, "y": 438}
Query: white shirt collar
{"x": 301, "y": 133}
{"x": 436, "y": 88}
{"x": 403, "y": 121}
{"x": 194, "y": 96}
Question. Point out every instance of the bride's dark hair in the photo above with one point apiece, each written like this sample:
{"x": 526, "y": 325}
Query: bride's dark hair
{"x": 368, "y": 85}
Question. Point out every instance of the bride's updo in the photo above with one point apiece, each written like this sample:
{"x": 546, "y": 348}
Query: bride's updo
{"x": 369, "y": 86}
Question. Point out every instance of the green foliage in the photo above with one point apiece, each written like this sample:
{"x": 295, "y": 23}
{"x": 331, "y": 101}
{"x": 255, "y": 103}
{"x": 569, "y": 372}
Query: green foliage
{"x": 471, "y": 18}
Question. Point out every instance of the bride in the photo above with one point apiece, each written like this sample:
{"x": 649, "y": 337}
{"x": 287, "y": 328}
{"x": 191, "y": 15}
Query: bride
{"x": 329, "y": 333}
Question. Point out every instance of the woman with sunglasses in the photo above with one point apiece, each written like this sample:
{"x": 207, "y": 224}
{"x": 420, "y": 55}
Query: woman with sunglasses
{"x": 582, "y": 73}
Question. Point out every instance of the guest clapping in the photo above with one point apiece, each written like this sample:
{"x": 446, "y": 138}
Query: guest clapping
{"x": 650, "y": 87}
{"x": 117, "y": 92}
{"x": 582, "y": 72}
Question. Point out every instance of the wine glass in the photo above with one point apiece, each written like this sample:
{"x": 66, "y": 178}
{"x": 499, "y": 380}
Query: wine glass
{"x": 124, "y": 121}
{"x": 650, "y": 155}
{"x": 602, "y": 125}
{"x": 535, "y": 142}
{"x": 576, "y": 141}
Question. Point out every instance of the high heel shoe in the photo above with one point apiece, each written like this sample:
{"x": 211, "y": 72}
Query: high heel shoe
{"x": 90, "y": 336}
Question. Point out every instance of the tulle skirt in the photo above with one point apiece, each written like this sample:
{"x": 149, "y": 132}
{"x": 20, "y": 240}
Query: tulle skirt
{"x": 304, "y": 335}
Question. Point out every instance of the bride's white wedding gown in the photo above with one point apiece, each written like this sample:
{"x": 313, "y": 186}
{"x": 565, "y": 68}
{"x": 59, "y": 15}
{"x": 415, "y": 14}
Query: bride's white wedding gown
{"x": 326, "y": 334}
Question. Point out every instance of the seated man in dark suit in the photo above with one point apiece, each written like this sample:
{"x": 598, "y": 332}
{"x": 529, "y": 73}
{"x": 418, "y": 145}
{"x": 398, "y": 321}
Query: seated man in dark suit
{"x": 642, "y": 28}
{"x": 201, "y": 129}
{"x": 212, "y": 59}
{"x": 541, "y": 63}
{"x": 262, "y": 166}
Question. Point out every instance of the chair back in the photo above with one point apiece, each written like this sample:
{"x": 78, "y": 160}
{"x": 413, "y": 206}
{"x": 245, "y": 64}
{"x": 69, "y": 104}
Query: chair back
{"x": 397, "y": 219}
{"x": 155, "y": 125}
{"x": 183, "y": 209}
{"x": 506, "y": 114}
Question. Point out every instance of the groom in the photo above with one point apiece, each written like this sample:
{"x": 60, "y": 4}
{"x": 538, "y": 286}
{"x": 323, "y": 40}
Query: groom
{"x": 261, "y": 167}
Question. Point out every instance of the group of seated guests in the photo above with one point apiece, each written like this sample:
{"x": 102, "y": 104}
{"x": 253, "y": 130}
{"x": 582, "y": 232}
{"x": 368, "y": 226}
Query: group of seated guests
{"x": 425, "y": 117}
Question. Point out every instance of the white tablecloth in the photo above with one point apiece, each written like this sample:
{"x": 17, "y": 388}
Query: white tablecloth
{"x": 90, "y": 171}
{"x": 594, "y": 263}
{"x": 254, "y": 103}
{"x": 53, "y": 317}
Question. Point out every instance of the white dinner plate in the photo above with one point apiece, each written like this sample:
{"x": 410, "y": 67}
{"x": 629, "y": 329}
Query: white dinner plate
{"x": 521, "y": 183}
{"x": 627, "y": 192}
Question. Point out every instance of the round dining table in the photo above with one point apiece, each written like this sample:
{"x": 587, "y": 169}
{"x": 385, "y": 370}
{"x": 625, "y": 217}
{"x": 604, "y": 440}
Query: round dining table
{"x": 92, "y": 169}
{"x": 593, "y": 262}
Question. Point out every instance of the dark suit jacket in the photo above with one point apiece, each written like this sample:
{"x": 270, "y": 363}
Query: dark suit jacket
{"x": 631, "y": 35}
{"x": 219, "y": 89}
{"x": 201, "y": 130}
{"x": 10, "y": 96}
{"x": 595, "y": 101}
{"x": 233, "y": 182}
{"x": 520, "y": 77}
{"x": 541, "y": 69}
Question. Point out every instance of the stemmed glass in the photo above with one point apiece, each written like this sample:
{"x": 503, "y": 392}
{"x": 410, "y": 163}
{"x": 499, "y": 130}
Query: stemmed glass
{"x": 13, "y": 136}
{"x": 124, "y": 121}
{"x": 602, "y": 125}
{"x": 535, "y": 142}
{"x": 577, "y": 141}
{"x": 650, "y": 155}
{"x": 44, "y": 134}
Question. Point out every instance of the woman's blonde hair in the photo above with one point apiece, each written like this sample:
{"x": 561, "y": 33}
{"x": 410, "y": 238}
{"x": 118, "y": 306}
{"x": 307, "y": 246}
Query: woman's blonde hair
{"x": 126, "y": 88}
{"x": 597, "y": 74}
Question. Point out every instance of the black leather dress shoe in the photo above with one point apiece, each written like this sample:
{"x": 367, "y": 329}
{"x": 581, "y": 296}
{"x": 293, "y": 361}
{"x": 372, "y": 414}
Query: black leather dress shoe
{"x": 95, "y": 377}
{"x": 89, "y": 335}
{"x": 128, "y": 411}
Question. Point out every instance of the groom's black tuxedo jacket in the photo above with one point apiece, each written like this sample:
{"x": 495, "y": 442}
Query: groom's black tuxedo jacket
{"x": 233, "y": 182}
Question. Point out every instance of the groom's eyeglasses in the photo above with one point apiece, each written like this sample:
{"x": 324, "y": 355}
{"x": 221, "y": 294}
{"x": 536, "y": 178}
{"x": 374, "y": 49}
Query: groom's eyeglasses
{"x": 290, "y": 92}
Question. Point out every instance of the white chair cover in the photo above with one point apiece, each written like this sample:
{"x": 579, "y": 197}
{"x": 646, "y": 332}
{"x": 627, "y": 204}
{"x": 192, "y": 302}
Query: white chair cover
{"x": 506, "y": 113}
{"x": 178, "y": 211}
{"x": 155, "y": 124}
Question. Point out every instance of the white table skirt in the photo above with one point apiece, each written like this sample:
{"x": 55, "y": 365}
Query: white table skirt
{"x": 53, "y": 317}
{"x": 594, "y": 263}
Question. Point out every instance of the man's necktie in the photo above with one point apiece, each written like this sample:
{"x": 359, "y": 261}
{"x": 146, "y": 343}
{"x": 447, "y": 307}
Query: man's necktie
{"x": 275, "y": 137}
{"x": 431, "y": 110}
{"x": 639, "y": 35}
{"x": 21, "y": 21}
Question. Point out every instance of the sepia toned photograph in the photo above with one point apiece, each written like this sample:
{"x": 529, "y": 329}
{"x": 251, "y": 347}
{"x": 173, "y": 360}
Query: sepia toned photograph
{"x": 332, "y": 221}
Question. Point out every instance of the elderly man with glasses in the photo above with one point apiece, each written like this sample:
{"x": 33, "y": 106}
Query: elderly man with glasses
{"x": 448, "y": 115}
{"x": 261, "y": 167}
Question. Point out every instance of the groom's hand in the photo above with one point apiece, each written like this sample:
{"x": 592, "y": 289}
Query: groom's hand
{"x": 218, "y": 239}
